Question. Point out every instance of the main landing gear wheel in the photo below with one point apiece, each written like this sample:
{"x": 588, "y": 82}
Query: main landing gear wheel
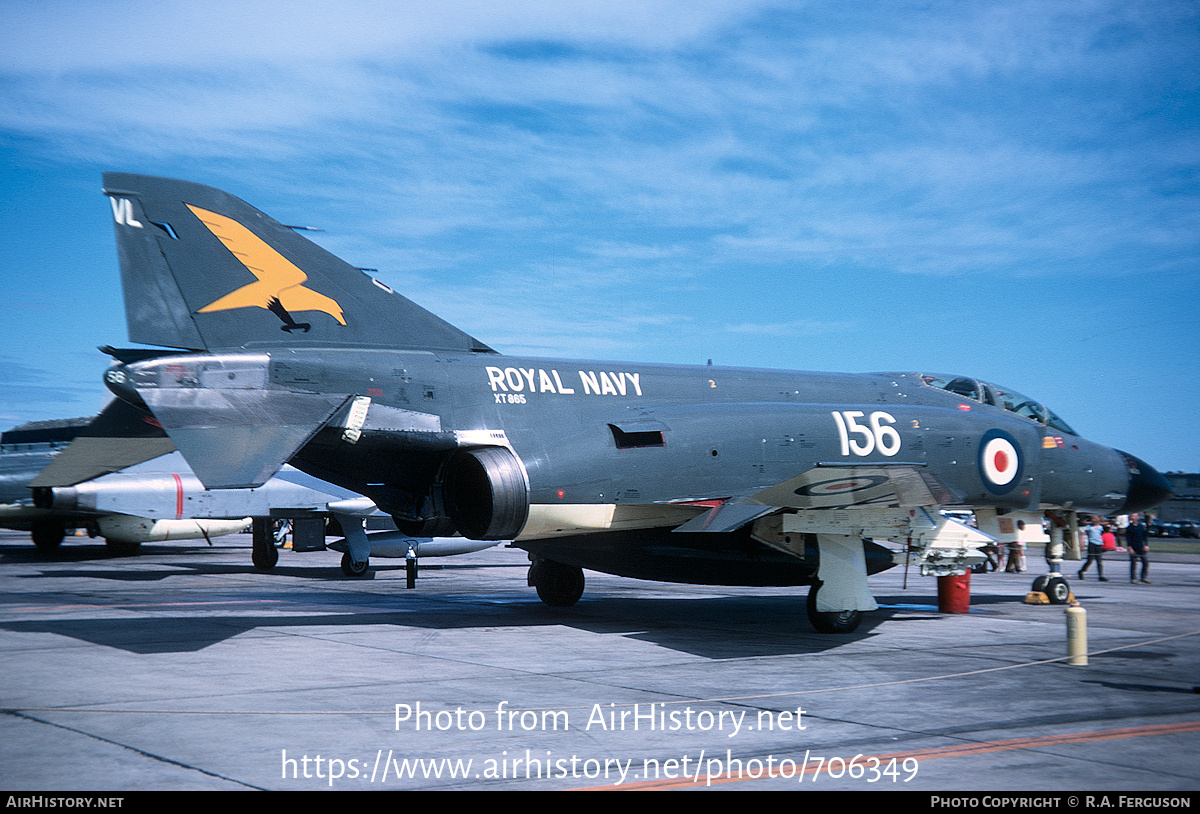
{"x": 263, "y": 553}
{"x": 121, "y": 548}
{"x": 558, "y": 585}
{"x": 264, "y": 557}
{"x": 47, "y": 534}
{"x": 831, "y": 621}
{"x": 350, "y": 568}
{"x": 1056, "y": 589}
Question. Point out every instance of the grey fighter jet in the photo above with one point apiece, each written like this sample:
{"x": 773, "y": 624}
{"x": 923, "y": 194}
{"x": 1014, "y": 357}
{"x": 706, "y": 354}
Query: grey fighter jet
{"x": 283, "y": 353}
{"x": 107, "y": 505}
{"x": 119, "y": 477}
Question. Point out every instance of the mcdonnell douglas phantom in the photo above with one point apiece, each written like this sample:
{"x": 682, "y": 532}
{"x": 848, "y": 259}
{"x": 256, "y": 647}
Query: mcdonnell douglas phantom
{"x": 283, "y": 353}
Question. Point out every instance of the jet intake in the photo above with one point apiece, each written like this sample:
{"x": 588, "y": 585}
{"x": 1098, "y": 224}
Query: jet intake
{"x": 485, "y": 493}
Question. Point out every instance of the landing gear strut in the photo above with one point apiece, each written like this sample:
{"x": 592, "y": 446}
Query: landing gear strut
{"x": 1053, "y": 585}
{"x": 357, "y": 558}
{"x": 558, "y": 585}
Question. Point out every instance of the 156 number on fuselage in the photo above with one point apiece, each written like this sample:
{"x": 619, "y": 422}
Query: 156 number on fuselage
{"x": 877, "y": 435}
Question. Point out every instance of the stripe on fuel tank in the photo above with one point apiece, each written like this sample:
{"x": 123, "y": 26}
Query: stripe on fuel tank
{"x": 178, "y": 496}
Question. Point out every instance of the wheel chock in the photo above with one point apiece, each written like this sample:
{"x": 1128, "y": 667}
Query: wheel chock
{"x": 1040, "y": 598}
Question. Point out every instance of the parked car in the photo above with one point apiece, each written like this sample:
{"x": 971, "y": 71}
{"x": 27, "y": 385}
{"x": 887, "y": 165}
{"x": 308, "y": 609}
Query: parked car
{"x": 1189, "y": 528}
{"x": 1160, "y": 529}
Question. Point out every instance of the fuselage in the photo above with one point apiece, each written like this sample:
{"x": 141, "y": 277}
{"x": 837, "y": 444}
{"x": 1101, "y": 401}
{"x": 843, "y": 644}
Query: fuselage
{"x": 608, "y": 436}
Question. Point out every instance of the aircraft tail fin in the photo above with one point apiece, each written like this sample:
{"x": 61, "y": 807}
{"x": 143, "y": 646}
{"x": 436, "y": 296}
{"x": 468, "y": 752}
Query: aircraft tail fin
{"x": 203, "y": 270}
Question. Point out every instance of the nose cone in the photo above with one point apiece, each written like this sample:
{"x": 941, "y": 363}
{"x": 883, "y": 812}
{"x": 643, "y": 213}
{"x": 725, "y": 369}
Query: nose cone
{"x": 1147, "y": 486}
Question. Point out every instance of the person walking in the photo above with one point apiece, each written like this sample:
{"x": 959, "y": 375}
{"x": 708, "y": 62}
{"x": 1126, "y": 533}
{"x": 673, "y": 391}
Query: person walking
{"x": 1094, "y": 534}
{"x": 1138, "y": 544}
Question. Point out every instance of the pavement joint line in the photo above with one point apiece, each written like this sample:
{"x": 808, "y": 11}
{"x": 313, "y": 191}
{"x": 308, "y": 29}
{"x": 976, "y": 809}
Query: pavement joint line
{"x": 134, "y": 749}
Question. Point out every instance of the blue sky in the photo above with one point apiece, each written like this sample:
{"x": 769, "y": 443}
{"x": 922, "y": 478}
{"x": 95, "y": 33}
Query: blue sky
{"x": 1008, "y": 190}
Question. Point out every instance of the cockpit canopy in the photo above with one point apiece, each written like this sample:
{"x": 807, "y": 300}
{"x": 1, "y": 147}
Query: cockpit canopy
{"x": 993, "y": 394}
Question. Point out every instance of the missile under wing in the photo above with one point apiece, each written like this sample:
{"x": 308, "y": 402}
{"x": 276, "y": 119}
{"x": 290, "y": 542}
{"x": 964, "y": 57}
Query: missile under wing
{"x": 732, "y": 476}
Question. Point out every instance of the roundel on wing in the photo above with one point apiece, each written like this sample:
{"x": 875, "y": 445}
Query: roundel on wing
{"x": 1000, "y": 461}
{"x": 840, "y": 486}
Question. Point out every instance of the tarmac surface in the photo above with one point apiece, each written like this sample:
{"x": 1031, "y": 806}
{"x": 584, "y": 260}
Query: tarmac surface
{"x": 184, "y": 668}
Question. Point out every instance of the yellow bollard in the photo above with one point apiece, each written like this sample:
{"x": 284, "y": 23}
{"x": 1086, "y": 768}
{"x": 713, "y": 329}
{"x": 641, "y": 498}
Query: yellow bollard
{"x": 1077, "y": 636}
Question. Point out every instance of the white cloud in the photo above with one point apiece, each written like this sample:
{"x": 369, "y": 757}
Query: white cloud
{"x": 57, "y": 38}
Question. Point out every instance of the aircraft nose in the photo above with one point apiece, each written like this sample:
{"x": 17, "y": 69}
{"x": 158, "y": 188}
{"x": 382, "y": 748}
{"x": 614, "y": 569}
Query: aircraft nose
{"x": 1147, "y": 486}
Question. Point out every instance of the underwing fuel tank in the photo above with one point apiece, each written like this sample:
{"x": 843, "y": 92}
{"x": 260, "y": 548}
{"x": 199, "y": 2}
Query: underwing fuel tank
{"x": 126, "y": 529}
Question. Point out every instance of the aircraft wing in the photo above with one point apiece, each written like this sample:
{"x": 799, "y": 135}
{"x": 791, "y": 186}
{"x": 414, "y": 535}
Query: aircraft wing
{"x": 905, "y": 486}
{"x": 841, "y": 503}
{"x": 119, "y": 437}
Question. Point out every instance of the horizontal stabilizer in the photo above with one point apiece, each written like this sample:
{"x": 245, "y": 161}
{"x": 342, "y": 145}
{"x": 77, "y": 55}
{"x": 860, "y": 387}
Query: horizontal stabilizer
{"x": 238, "y": 438}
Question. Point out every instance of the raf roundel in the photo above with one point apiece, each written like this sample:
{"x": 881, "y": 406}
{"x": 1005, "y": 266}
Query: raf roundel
{"x": 1000, "y": 462}
{"x": 840, "y": 486}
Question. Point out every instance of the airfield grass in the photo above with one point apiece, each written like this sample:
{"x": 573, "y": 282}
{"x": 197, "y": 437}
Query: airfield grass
{"x": 1174, "y": 545}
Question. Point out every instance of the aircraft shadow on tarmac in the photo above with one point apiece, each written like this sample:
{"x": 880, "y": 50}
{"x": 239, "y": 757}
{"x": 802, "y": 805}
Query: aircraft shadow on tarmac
{"x": 91, "y": 551}
{"x": 716, "y": 627}
{"x": 1186, "y": 689}
{"x": 710, "y": 627}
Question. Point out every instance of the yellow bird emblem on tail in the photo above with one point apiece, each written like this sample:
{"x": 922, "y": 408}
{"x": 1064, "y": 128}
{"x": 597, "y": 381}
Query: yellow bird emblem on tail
{"x": 280, "y": 283}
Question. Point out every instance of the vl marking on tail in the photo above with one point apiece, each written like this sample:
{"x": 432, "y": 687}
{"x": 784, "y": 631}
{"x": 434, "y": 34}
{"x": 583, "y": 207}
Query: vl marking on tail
{"x": 123, "y": 212}
{"x": 280, "y": 283}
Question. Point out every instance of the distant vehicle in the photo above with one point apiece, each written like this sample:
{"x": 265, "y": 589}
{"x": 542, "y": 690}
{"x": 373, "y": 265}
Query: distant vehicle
{"x": 1189, "y": 528}
{"x": 1158, "y": 528}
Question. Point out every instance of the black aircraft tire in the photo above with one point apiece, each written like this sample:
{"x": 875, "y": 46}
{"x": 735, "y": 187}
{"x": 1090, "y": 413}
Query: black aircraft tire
{"x": 350, "y": 568}
{"x": 262, "y": 536}
{"x": 831, "y": 621}
{"x": 1040, "y": 583}
{"x": 121, "y": 548}
{"x": 264, "y": 557}
{"x": 47, "y": 534}
{"x": 1057, "y": 591}
{"x": 558, "y": 585}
